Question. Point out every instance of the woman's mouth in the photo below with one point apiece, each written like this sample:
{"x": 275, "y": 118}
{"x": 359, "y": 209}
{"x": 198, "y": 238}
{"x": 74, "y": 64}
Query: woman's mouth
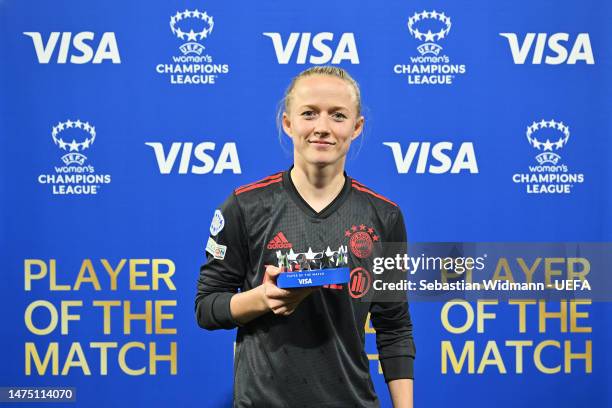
{"x": 321, "y": 142}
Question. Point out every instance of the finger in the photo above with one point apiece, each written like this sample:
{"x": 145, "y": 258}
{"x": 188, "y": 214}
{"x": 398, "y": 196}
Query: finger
{"x": 288, "y": 312}
{"x": 275, "y": 305}
{"x": 280, "y": 310}
{"x": 274, "y": 292}
{"x": 272, "y": 271}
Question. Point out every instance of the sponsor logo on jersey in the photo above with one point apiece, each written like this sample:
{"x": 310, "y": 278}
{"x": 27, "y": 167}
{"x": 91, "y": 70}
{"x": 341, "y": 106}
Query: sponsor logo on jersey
{"x": 430, "y": 66}
{"x": 216, "y": 250}
{"x": 440, "y": 158}
{"x": 553, "y": 49}
{"x": 226, "y": 160}
{"x": 550, "y": 175}
{"x": 318, "y": 48}
{"x": 217, "y": 223}
{"x": 80, "y": 48}
{"x": 75, "y": 176}
{"x": 279, "y": 242}
{"x": 361, "y": 239}
{"x": 360, "y": 282}
{"x": 193, "y": 65}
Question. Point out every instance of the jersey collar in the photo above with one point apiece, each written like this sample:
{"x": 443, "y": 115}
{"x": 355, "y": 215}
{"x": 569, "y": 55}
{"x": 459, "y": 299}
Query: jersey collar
{"x": 307, "y": 209}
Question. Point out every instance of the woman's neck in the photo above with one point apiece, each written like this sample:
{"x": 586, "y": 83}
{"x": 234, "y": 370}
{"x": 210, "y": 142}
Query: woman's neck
{"x": 318, "y": 186}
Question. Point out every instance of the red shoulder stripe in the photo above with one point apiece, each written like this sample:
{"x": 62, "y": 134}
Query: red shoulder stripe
{"x": 273, "y": 176}
{"x": 259, "y": 185}
{"x": 361, "y": 187}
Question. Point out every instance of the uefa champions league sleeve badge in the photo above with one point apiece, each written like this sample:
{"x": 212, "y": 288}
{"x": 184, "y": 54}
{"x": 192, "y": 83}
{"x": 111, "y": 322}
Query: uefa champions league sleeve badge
{"x": 313, "y": 268}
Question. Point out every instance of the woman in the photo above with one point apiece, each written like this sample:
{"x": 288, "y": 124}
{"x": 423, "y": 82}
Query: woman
{"x": 305, "y": 347}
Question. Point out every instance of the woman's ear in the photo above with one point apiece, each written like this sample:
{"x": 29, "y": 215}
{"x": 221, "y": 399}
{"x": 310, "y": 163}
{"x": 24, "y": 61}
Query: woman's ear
{"x": 286, "y": 124}
{"x": 358, "y": 128}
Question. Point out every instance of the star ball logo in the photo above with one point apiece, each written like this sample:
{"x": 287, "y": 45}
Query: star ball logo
{"x": 431, "y": 66}
{"x": 74, "y": 177}
{"x": 550, "y": 175}
{"x": 193, "y": 65}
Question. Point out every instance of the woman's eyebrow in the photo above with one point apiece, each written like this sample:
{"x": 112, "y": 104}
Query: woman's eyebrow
{"x": 315, "y": 107}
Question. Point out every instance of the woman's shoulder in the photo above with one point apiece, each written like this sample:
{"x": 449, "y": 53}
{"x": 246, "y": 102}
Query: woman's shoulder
{"x": 260, "y": 185}
{"x": 376, "y": 198}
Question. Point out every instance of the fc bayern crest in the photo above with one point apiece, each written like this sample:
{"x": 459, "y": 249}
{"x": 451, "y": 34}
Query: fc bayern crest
{"x": 361, "y": 240}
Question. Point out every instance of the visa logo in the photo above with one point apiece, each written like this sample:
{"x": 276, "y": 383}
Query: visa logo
{"x": 322, "y": 43}
{"x": 81, "y": 47}
{"x": 305, "y": 281}
{"x": 226, "y": 160}
{"x": 554, "y": 46}
{"x": 438, "y": 159}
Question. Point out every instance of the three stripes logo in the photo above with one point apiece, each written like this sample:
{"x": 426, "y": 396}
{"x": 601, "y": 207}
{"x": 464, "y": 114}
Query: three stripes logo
{"x": 359, "y": 283}
{"x": 279, "y": 242}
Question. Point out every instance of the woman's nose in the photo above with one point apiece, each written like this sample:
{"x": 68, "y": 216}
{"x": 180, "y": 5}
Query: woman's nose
{"x": 322, "y": 125}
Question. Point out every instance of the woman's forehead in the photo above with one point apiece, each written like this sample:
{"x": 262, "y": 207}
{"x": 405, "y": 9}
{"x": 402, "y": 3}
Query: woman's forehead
{"x": 322, "y": 88}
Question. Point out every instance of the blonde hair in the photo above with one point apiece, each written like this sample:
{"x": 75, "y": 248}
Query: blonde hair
{"x": 324, "y": 70}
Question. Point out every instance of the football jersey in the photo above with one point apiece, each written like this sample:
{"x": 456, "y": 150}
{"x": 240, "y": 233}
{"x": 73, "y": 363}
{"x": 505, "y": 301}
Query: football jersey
{"x": 315, "y": 356}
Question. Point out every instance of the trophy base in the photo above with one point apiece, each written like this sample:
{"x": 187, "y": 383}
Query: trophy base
{"x": 317, "y": 277}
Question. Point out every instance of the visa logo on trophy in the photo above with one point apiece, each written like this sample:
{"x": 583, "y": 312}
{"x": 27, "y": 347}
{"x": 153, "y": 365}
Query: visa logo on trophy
{"x": 431, "y": 66}
{"x": 549, "y": 175}
{"x": 193, "y": 66}
{"x": 75, "y": 177}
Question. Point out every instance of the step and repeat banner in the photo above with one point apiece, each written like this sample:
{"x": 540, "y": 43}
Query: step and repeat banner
{"x": 124, "y": 125}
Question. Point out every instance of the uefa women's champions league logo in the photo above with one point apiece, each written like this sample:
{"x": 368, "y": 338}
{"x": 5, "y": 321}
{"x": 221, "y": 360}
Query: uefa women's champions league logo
{"x": 75, "y": 177}
{"x": 563, "y": 134}
{"x": 74, "y": 148}
{"x": 431, "y": 66}
{"x": 201, "y": 21}
{"x": 429, "y": 47}
{"x": 550, "y": 176}
{"x": 193, "y": 65}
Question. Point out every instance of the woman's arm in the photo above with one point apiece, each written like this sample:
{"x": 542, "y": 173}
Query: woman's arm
{"x": 401, "y": 392}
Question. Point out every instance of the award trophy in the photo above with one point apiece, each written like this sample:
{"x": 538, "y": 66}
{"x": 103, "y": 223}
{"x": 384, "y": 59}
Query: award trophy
{"x": 313, "y": 268}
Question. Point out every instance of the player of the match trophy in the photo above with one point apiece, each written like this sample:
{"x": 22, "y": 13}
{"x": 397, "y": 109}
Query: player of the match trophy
{"x": 310, "y": 268}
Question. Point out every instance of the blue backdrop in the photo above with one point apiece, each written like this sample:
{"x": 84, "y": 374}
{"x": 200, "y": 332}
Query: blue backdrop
{"x": 162, "y": 109}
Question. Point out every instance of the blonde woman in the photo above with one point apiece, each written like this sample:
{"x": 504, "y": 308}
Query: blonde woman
{"x": 305, "y": 347}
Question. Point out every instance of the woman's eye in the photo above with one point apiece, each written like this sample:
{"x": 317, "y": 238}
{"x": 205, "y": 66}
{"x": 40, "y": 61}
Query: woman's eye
{"x": 308, "y": 114}
{"x": 339, "y": 116}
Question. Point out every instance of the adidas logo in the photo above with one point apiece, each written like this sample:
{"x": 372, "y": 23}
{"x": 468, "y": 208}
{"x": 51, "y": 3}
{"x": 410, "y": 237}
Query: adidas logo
{"x": 279, "y": 242}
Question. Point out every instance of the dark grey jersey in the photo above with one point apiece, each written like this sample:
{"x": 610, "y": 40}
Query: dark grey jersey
{"x": 315, "y": 356}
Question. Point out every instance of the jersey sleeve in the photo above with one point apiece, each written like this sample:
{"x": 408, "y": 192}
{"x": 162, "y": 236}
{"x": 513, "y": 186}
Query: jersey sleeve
{"x": 391, "y": 320}
{"x": 225, "y": 268}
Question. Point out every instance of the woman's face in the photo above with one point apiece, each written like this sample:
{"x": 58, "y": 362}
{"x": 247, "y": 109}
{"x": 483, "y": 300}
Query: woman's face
{"x": 322, "y": 119}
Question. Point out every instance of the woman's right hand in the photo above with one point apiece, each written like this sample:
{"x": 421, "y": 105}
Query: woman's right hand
{"x": 281, "y": 301}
